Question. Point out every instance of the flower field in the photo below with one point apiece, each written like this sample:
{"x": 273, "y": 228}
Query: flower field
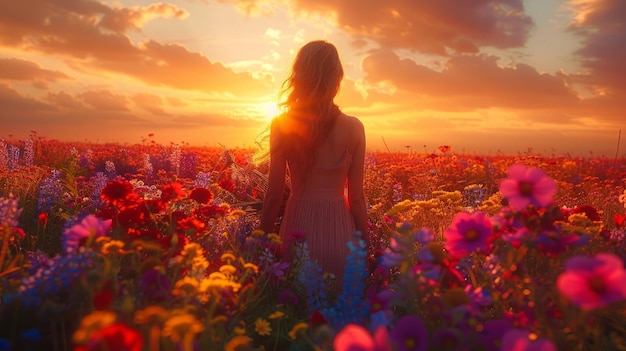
{"x": 155, "y": 247}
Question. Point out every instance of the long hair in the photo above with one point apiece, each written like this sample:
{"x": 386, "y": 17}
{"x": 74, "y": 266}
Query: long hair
{"x": 309, "y": 109}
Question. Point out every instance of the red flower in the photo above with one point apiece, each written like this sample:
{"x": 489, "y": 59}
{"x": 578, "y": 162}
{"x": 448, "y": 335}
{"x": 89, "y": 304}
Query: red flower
{"x": 211, "y": 211}
{"x": 619, "y": 219}
{"x": 172, "y": 191}
{"x": 227, "y": 184}
{"x": 201, "y": 195}
{"x": 113, "y": 337}
{"x": 116, "y": 191}
{"x": 318, "y": 319}
{"x": 43, "y": 218}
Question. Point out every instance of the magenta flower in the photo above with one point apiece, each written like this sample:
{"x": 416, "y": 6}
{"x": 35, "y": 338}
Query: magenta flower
{"x": 527, "y": 186}
{"x": 354, "y": 337}
{"x": 90, "y": 228}
{"x": 593, "y": 282}
{"x": 410, "y": 334}
{"x": 469, "y": 233}
{"x": 521, "y": 340}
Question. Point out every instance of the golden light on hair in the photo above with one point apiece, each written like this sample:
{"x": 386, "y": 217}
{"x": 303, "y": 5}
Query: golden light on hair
{"x": 268, "y": 109}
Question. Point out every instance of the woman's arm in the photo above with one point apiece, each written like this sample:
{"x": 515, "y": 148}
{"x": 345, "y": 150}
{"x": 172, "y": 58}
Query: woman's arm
{"x": 276, "y": 187}
{"x": 356, "y": 194}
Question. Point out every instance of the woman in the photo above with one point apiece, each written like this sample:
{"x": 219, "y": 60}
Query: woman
{"x": 323, "y": 150}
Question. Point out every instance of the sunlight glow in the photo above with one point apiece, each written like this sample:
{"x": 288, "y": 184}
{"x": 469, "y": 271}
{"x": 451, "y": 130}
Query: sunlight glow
{"x": 268, "y": 109}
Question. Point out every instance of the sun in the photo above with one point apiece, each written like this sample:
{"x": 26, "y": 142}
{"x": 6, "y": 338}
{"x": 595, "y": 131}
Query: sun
{"x": 268, "y": 109}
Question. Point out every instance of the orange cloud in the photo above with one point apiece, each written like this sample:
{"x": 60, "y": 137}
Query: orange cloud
{"x": 24, "y": 70}
{"x": 74, "y": 30}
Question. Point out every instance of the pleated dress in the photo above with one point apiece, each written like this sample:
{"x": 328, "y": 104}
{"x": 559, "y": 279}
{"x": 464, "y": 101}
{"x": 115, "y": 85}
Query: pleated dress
{"x": 318, "y": 208}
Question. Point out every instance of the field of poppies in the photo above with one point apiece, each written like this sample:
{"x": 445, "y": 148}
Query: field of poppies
{"x": 155, "y": 247}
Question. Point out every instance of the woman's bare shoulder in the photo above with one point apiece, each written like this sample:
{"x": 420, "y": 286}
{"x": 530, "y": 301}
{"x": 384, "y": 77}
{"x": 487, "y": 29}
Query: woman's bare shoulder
{"x": 353, "y": 123}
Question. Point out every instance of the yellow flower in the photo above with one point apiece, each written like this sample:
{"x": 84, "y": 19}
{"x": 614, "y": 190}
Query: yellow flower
{"x": 276, "y": 315}
{"x": 237, "y": 213}
{"x": 94, "y": 321}
{"x": 151, "y": 315}
{"x": 180, "y": 326}
{"x": 238, "y": 343}
{"x": 257, "y": 233}
{"x": 240, "y": 328}
{"x": 262, "y": 327}
{"x": 186, "y": 287}
{"x": 228, "y": 269}
{"x": 191, "y": 250}
{"x": 252, "y": 267}
{"x": 297, "y": 329}
{"x": 113, "y": 247}
{"x": 274, "y": 238}
{"x": 228, "y": 257}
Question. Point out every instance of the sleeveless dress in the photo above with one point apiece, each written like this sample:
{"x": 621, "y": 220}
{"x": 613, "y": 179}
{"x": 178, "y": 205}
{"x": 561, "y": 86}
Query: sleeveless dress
{"x": 319, "y": 209}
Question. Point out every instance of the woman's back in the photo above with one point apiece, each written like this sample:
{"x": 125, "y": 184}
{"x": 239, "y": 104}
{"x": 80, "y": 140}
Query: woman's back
{"x": 333, "y": 157}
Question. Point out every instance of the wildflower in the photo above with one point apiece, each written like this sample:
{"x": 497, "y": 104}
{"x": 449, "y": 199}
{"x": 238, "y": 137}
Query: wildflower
{"x": 228, "y": 269}
{"x": 9, "y": 211}
{"x": 85, "y": 232}
{"x": 117, "y": 336}
{"x": 276, "y": 315}
{"x": 355, "y": 337}
{"x": 468, "y": 233}
{"x": 151, "y": 315}
{"x": 201, "y": 195}
{"x": 94, "y": 321}
{"x": 262, "y": 327}
{"x": 181, "y": 327}
{"x": 186, "y": 287}
{"x": 494, "y": 330}
{"x": 297, "y": 329}
{"x": 409, "y": 334}
{"x": 154, "y": 285}
{"x": 238, "y": 343}
{"x": 593, "y": 282}
{"x": 520, "y": 340}
{"x": 116, "y": 191}
{"x": 251, "y": 266}
{"x": 228, "y": 257}
{"x": 527, "y": 186}
{"x": 113, "y": 247}
{"x": 172, "y": 191}
{"x": 287, "y": 297}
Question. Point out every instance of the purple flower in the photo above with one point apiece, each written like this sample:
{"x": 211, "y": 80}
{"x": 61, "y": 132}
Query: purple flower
{"x": 90, "y": 228}
{"x": 527, "y": 186}
{"x": 287, "y": 297}
{"x": 593, "y": 282}
{"x": 468, "y": 233}
{"x": 154, "y": 285}
{"x": 447, "y": 339}
{"x": 521, "y": 340}
{"x": 410, "y": 334}
{"x": 491, "y": 336}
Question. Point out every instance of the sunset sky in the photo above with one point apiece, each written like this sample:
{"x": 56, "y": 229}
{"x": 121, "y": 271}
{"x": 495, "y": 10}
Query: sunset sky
{"x": 481, "y": 76}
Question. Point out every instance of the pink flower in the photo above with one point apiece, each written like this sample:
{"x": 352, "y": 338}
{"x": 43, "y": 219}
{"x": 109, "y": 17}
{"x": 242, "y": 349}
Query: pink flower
{"x": 468, "y": 233}
{"x": 593, "y": 282}
{"x": 527, "y": 186}
{"x": 354, "y": 337}
{"x": 90, "y": 228}
{"x": 520, "y": 340}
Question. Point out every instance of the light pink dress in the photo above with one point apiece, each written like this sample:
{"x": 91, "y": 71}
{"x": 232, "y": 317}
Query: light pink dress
{"x": 318, "y": 207}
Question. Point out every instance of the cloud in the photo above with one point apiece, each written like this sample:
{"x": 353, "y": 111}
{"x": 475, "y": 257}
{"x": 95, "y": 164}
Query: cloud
{"x": 600, "y": 25}
{"x": 433, "y": 27}
{"x": 468, "y": 82}
{"x": 121, "y": 19}
{"x": 24, "y": 70}
{"x": 91, "y": 37}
